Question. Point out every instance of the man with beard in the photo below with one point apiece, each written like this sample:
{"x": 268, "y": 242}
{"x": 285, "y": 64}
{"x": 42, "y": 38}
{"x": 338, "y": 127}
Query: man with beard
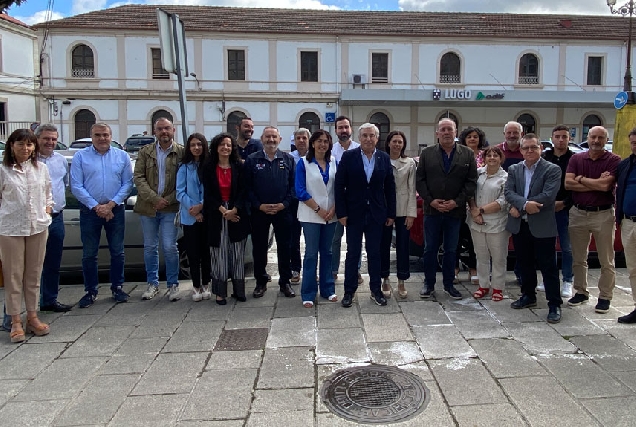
{"x": 246, "y": 144}
{"x": 301, "y": 142}
{"x": 591, "y": 176}
{"x": 156, "y": 180}
{"x": 345, "y": 143}
{"x": 513, "y": 131}
{"x": 270, "y": 178}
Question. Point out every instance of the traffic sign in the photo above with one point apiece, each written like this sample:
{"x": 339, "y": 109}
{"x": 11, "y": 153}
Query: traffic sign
{"x": 330, "y": 117}
{"x": 620, "y": 100}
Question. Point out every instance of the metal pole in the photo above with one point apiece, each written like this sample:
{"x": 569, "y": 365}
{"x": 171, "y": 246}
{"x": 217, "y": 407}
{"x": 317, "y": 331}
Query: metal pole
{"x": 627, "y": 84}
{"x": 180, "y": 79}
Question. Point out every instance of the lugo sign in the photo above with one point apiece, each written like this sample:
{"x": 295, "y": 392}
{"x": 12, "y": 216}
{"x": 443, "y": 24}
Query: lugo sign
{"x": 457, "y": 94}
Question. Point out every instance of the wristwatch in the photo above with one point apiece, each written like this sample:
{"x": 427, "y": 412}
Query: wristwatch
{"x": 317, "y": 209}
{"x": 482, "y": 211}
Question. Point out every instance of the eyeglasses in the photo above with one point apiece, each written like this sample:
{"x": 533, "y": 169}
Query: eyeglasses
{"x": 531, "y": 148}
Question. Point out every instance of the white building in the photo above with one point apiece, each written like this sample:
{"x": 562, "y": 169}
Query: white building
{"x": 18, "y": 75}
{"x": 291, "y": 68}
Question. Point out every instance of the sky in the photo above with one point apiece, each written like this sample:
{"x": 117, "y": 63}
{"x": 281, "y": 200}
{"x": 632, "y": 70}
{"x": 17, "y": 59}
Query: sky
{"x": 34, "y": 11}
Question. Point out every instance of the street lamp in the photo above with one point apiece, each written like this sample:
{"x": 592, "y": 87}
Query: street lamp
{"x": 624, "y": 10}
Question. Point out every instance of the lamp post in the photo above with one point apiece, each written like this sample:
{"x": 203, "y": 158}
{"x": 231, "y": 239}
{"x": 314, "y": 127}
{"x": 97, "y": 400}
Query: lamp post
{"x": 625, "y": 10}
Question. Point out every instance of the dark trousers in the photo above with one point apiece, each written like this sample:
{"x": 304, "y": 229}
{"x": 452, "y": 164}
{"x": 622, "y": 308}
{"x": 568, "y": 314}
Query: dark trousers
{"x": 372, "y": 232}
{"x": 198, "y": 252}
{"x": 542, "y": 249}
{"x": 436, "y": 227}
{"x": 296, "y": 231}
{"x": 402, "y": 236}
{"x": 465, "y": 248}
{"x": 50, "y": 281}
{"x": 260, "y": 237}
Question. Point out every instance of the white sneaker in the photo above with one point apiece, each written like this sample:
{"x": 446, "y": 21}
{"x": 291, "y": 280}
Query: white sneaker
{"x": 566, "y": 290}
{"x": 196, "y": 294}
{"x": 173, "y": 293}
{"x": 541, "y": 287}
{"x": 205, "y": 292}
{"x": 150, "y": 292}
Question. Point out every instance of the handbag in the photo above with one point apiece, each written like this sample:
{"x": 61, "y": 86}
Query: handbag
{"x": 177, "y": 218}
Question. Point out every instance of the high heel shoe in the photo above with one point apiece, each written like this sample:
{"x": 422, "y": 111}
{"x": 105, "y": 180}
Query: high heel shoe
{"x": 17, "y": 333}
{"x": 401, "y": 290}
{"x": 37, "y": 328}
{"x": 386, "y": 287}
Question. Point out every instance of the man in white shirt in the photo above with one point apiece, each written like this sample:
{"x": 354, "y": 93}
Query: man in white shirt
{"x": 301, "y": 141}
{"x": 345, "y": 143}
{"x": 58, "y": 171}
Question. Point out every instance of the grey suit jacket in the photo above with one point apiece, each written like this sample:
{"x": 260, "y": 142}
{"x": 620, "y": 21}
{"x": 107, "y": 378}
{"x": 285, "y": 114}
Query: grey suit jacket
{"x": 544, "y": 187}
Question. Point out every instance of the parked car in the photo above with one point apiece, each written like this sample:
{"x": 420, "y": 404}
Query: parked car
{"x": 134, "y": 143}
{"x": 85, "y": 142}
{"x": 133, "y": 240}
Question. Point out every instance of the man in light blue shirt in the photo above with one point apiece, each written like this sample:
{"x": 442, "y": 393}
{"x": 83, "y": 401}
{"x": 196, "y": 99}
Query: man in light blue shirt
{"x": 101, "y": 179}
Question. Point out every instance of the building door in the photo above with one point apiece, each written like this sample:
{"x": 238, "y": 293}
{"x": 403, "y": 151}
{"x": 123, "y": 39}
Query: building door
{"x": 84, "y": 119}
{"x": 528, "y": 123}
{"x": 233, "y": 121}
{"x": 309, "y": 121}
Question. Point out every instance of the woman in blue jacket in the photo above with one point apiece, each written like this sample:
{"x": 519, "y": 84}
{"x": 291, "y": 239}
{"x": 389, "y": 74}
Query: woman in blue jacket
{"x": 195, "y": 233}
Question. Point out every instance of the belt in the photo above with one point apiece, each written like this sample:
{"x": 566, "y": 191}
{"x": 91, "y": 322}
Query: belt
{"x": 593, "y": 208}
{"x": 55, "y": 214}
{"x": 632, "y": 218}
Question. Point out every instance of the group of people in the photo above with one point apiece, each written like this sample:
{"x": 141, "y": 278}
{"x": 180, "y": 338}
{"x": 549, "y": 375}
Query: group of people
{"x": 474, "y": 196}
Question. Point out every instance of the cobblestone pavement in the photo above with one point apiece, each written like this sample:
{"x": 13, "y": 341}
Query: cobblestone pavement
{"x": 154, "y": 362}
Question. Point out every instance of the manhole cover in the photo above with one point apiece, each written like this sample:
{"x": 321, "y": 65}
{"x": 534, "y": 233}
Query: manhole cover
{"x": 242, "y": 339}
{"x": 375, "y": 394}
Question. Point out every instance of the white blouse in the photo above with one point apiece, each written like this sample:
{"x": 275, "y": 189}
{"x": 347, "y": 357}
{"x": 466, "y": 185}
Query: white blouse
{"x": 24, "y": 196}
{"x": 490, "y": 188}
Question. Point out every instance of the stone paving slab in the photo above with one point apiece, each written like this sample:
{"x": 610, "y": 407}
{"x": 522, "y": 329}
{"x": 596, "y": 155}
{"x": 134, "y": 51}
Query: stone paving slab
{"x": 99, "y": 341}
{"x": 330, "y": 348}
{"x": 69, "y": 328}
{"x": 332, "y": 316}
{"x": 286, "y": 418}
{"x": 494, "y": 415}
{"x": 246, "y": 359}
{"x": 99, "y": 401}
{"x": 171, "y": 373}
{"x": 615, "y": 411}
{"x": 502, "y": 311}
{"x": 539, "y": 399}
{"x": 195, "y": 336}
{"x": 607, "y": 351}
{"x": 477, "y": 324}
{"x": 134, "y": 356}
{"x": 423, "y": 313}
{"x": 395, "y": 353}
{"x": 507, "y": 358}
{"x": 287, "y": 368}
{"x": 465, "y": 382}
{"x": 151, "y": 410}
{"x": 286, "y": 400}
{"x": 250, "y": 317}
{"x": 10, "y": 388}
{"x": 292, "y": 332}
{"x": 36, "y": 356}
{"x": 232, "y": 391}
{"x": 442, "y": 341}
{"x": 29, "y": 414}
{"x": 386, "y": 327}
{"x": 583, "y": 378}
{"x": 539, "y": 338}
{"x": 205, "y": 312}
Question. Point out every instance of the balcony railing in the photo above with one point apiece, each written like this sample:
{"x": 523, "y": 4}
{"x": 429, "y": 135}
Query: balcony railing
{"x": 6, "y": 128}
{"x": 84, "y": 72}
{"x": 450, "y": 78}
{"x": 528, "y": 80}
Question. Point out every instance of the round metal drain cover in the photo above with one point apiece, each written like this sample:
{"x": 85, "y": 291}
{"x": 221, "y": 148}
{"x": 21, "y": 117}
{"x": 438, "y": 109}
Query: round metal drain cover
{"x": 375, "y": 394}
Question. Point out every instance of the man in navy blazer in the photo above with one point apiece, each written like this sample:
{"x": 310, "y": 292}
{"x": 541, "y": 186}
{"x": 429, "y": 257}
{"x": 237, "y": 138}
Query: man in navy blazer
{"x": 531, "y": 190}
{"x": 365, "y": 201}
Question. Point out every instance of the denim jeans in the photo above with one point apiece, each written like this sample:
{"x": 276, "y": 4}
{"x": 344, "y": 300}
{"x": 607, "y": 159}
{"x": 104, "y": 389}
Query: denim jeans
{"x": 436, "y": 226}
{"x": 160, "y": 226}
{"x": 563, "y": 221}
{"x": 50, "y": 281}
{"x": 318, "y": 240}
{"x": 91, "y": 233}
{"x": 402, "y": 236}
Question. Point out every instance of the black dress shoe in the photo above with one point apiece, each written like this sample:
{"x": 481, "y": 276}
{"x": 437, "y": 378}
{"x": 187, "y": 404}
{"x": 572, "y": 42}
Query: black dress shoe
{"x": 524, "y": 302}
{"x": 554, "y": 315}
{"x": 259, "y": 291}
{"x": 347, "y": 300}
{"x": 378, "y": 298}
{"x": 241, "y": 299}
{"x": 628, "y": 318}
{"x": 287, "y": 290}
{"x": 56, "y": 307}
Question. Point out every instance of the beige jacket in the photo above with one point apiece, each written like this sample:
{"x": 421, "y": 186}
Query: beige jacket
{"x": 146, "y": 179}
{"x": 404, "y": 172}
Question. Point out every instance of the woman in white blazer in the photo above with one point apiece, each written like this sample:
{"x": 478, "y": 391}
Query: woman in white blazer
{"x": 406, "y": 211}
{"x": 315, "y": 175}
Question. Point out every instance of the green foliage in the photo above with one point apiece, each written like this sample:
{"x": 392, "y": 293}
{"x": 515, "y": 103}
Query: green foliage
{"x": 6, "y": 4}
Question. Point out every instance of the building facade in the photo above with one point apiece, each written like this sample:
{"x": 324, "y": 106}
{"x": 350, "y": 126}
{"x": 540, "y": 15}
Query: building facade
{"x": 290, "y": 68}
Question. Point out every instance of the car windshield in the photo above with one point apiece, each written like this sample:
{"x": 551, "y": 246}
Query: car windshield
{"x": 134, "y": 144}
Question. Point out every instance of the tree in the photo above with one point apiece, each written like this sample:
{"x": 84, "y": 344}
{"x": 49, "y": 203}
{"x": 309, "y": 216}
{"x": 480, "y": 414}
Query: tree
{"x": 6, "y": 4}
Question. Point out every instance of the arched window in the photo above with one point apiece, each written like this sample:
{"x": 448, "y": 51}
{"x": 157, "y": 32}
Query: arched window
{"x": 450, "y": 68}
{"x": 84, "y": 119}
{"x": 160, "y": 114}
{"x": 383, "y": 124}
{"x": 309, "y": 121}
{"x": 448, "y": 115}
{"x": 529, "y": 69}
{"x": 82, "y": 62}
{"x": 528, "y": 123}
{"x": 588, "y": 123}
{"x": 233, "y": 122}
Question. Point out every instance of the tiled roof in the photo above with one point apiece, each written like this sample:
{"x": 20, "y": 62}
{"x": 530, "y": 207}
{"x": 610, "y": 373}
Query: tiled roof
{"x": 337, "y": 22}
{"x": 11, "y": 19}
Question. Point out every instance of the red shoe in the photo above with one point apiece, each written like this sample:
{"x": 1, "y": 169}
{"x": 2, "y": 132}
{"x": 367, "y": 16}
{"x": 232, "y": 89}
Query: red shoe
{"x": 481, "y": 292}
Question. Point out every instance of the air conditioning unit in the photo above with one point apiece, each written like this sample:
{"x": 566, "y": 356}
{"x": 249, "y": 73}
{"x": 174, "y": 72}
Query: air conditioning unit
{"x": 359, "y": 79}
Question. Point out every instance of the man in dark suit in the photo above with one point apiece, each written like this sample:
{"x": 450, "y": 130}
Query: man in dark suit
{"x": 446, "y": 179}
{"x": 531, "y": 190}
{"x": 365, "y": 201}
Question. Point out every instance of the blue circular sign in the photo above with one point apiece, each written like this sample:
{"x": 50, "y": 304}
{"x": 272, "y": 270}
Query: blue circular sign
{"x": 620, "y": 100}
